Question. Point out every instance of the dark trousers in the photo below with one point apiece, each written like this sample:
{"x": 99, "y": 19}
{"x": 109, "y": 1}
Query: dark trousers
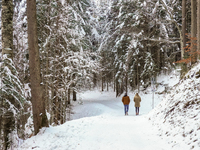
{"x": 137, "y": 109}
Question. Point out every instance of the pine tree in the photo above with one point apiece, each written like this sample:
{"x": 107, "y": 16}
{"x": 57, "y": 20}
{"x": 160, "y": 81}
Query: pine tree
{"x": 11, "y": 91}
{"x": 66, "y": 53}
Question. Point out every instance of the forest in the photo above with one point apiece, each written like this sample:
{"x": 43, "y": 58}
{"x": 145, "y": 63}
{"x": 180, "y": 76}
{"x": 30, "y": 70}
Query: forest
{"x": 51, "y": 50}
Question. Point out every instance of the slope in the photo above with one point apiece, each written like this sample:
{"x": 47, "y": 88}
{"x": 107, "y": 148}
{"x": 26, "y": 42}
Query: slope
{"x": 177, "y": 116}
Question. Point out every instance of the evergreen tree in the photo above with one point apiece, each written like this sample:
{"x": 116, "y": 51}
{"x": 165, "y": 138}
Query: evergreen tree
{"x": 68, "y": 58}
{"x": 11, "y": 91}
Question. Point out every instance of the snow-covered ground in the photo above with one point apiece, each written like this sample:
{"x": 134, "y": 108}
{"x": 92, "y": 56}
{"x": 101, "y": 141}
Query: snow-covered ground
{"x": 98, "y": 123}
{"x": 177, "y": 117}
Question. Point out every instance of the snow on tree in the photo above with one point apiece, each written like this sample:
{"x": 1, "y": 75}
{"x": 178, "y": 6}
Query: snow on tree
{"x": 11, "y": 90}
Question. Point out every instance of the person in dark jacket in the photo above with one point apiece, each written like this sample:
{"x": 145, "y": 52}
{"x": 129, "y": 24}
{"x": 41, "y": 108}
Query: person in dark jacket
{"x": 126, "y": 101}
{"x": 137, "y": 100}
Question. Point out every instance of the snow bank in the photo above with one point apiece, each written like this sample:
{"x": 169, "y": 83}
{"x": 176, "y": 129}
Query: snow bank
{"x": 177, "y": 116}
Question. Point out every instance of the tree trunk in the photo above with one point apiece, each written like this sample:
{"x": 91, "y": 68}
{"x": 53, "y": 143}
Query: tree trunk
{"x": 74, "y": 95}
{"x": 107, "y": 85}
{"x": 117, "y": 88}
{"x": 102, "y": 81}
{"x": 114, "y": 82}
{"x": 7, "y": 28}
{"x": 184, "y": 22}
{"x": 198, "y": 28}
{"x": 95, "y": 79}
{"x": 138, "y": 86}
{"x": 126, "y": 81}
{"x": 8, "y": 126}
{"x": 1, "y": 125}
{"x": 47, "y": 100}
{"x": 7, "y": 117}
{"x": 193, "y": 31}
{"x": 74, "y": 88}
{"x": 68, "y": 97}
{"x": 183, "y": 34}
{"x": 39, "y": 114}
{"x": 158, "y": 59}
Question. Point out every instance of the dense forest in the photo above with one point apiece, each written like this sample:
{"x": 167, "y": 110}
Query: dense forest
{"x": 53, "y": 49}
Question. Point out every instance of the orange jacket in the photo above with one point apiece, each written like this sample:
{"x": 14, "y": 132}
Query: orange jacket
{"x": 126, "y": 100}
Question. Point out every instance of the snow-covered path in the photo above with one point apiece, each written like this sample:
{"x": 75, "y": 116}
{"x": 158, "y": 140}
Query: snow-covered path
{"x": 113, "y": 130}
{"x": 100, "y": 124}
{"x": 121, "y": 133}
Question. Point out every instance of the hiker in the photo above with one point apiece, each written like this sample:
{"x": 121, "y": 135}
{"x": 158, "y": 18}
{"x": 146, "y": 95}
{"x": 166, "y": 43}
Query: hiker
{"x": 137, "y": 100}
{"x": 126, "y": 101}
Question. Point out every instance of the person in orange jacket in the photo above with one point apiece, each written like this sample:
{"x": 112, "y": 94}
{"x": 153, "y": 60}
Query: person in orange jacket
{"x": 126, "y": 101}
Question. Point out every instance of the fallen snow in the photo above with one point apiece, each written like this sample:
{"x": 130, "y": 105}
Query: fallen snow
{"x": 177, "y": 116}
{"x": 99, "y": 124}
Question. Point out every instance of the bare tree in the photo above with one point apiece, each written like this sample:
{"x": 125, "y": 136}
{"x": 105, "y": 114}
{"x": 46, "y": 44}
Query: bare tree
{"x": 38, "y": 104}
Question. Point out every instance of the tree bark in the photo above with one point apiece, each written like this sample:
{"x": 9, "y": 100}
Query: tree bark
{"x": 126, "y": 82}
{"x": 94, "y": 80}
{"x": 117, "y": 87}
{"x": 184, "y": 22}
{"x": 7, "y": 28}
{"x": 138, "y": 85}
{"x": 38, "y": 104}
{"x": 102, "y": 82}
{"x": 193, "y": 31}
{"x": 74, "y": 95}
{"x": 68, "y": 96}
{"x": 198, "y": 28}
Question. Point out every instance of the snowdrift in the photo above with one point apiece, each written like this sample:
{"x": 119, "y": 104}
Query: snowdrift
{"x": 177, "y": 116}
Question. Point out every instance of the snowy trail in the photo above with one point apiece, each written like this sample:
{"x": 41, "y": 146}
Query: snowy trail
{"x": 100, "y": 124}
{"x": 113, "y": 130}
{"x": 121, "y": 134}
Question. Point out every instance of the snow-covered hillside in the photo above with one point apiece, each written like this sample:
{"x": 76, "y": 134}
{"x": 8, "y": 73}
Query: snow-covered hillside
{"x": 177, "y": 116}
